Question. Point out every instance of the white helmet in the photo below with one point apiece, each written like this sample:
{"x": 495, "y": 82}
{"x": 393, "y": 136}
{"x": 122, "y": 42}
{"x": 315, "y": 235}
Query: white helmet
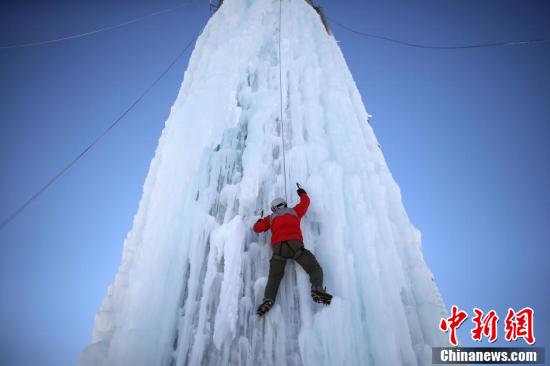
{"x": 277, "y": 203}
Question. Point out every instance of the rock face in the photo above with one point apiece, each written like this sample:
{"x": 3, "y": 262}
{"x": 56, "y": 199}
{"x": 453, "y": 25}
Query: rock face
{"x": 193, "y": 272}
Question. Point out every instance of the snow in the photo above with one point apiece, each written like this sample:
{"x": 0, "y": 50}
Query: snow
{"x": 193, "y": 272}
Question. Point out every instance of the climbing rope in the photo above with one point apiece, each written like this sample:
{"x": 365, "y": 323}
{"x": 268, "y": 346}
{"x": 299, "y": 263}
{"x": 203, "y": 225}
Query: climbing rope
{"x": 281, "y": 95}
{"x": 99, "y": 30}
{"x": 416, "y": 45}
{"x": 71, "y": 163}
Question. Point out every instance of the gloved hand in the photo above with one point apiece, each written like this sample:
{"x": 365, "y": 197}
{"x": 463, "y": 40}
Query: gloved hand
{"x": 300, "y": 191}
{"x": 261, "y": 217}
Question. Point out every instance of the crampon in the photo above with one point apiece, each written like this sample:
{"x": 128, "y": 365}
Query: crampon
{"x": 321, "y": 296}
{"x": 264, "y": 307}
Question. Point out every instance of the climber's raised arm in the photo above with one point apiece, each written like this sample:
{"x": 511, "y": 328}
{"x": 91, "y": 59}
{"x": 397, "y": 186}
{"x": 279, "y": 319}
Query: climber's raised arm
{"x": 301, "y": 208}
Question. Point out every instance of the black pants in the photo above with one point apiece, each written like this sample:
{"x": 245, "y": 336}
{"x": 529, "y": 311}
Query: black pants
{"x": 291, "y": 249}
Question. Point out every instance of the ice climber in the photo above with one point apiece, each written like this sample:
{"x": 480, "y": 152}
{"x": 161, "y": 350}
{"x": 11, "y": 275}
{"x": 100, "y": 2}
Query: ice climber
{"x": 287, "y": 243}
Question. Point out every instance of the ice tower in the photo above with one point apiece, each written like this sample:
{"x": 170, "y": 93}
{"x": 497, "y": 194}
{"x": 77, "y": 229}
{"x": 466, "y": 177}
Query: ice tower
{"x": 192, "y": 270}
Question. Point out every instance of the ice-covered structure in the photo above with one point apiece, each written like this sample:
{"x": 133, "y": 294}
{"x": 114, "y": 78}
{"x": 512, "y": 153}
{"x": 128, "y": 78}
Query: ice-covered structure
{"x": 193, "y": 272}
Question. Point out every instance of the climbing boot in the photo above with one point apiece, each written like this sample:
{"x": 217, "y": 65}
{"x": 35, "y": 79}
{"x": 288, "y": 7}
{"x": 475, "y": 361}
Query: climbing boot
{"x": 320, "y": 295}
{"x": 264, "y": 307}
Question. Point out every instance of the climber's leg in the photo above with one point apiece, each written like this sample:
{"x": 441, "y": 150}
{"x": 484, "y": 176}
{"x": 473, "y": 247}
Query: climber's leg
{"x": 309, "y": 263}
{"x": 276, "y": 272}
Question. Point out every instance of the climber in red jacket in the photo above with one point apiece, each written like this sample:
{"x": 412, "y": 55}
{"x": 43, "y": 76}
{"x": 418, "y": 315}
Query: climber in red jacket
{"x": 287, "y": 243}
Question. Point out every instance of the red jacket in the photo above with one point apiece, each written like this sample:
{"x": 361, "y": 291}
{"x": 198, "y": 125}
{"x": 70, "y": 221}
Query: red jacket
{"x": 285, "y": 223}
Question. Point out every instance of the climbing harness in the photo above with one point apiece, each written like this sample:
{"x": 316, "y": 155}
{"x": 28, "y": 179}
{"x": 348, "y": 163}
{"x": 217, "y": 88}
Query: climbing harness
{"x": 296, "y": 254}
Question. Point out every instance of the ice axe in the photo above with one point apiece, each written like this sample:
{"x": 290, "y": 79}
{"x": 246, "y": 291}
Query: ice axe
{"x": 300, "y": 188}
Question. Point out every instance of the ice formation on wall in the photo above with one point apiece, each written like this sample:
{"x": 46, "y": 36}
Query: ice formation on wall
{"x": 193, "y": 272}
